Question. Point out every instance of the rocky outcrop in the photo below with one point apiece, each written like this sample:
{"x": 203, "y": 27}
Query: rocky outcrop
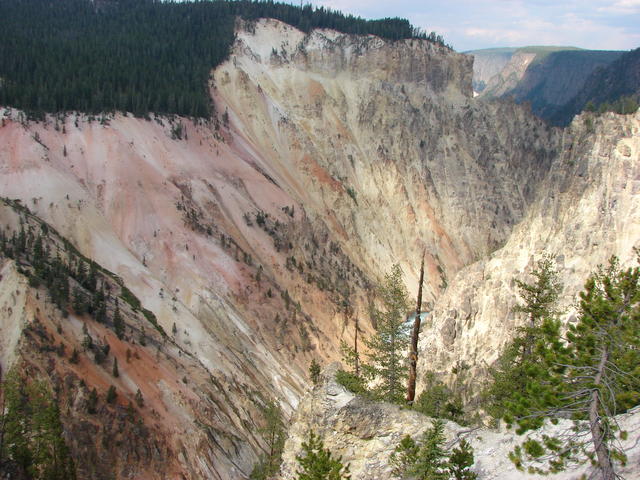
{"x": 365, "y": 433}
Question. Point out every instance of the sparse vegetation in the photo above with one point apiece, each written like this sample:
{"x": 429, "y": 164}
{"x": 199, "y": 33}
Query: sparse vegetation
{"x": 318, "y": 463}
{"x": 72, "y": 280}
{"x": 111, "y": 395}
{"x": 273, "y": 432}
{"x": 428, "y": 458}
{"x": 352, "y": 193}
{"x": 314, "y": 372}
{"x": 139, "y": 399}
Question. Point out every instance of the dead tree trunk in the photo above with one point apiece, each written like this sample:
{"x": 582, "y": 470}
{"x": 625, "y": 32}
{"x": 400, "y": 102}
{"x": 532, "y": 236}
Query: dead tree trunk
{"x": 413, "y": 356}
{"x": 355, "y": 349}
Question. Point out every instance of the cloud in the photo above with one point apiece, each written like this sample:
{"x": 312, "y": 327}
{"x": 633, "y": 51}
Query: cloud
{"x": 622, "y": 7}
{"x": 469, "y": 24}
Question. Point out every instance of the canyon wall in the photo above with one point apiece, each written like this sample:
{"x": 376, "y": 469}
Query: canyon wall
{"x": 258, "y": 236}
{"x": 586, "y": 210}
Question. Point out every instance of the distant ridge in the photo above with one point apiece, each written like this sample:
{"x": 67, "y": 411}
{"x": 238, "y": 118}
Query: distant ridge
{"x": 546, "y": 77}
{"x": 619, "y": 82}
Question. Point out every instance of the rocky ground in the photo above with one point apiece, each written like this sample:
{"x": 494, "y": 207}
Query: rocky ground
{"x": 365, "y": 433}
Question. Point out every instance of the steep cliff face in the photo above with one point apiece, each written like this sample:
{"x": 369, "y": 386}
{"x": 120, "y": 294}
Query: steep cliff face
{"x": 504, "y": 81}
{"x": 557, "y": 78}
{"x": 396, "y": 154}
{"x": 620, "y": 78}
{"x": 586, "y": 210}
{"x": 170, "y": 413}
{"x": 255, "y": 238}
{"x": 487, "y": 63}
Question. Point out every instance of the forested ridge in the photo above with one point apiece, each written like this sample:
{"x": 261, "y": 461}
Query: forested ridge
{"x": 139, "y": 56}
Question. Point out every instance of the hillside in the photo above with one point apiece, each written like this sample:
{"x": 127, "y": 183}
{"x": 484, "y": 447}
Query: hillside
{"x": 239, "y": 247}
{"x": 604, "y": 87}
{"x": 547, "y": 78}
{"x": 261, "y": 240}
{"x": 487, "y": 63}
{"x": 490, "y": 62}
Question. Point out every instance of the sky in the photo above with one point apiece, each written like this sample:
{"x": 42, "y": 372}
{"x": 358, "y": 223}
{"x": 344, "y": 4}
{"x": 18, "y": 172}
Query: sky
{"x": 470, "y": 25}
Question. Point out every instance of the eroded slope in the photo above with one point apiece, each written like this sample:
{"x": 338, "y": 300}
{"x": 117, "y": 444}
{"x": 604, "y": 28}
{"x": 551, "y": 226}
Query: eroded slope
{"x": 261, "y": 233}
{"x": 586, "y": 210}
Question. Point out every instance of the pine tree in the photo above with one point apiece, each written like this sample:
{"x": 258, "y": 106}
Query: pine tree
{"x": 590, "y": 376}
{"x": 115, "y": 371}
{"x": 273, "y": 433}
{"x": 92, "y": 401}
{"x": 460, "y": 462}
{"x": 438, "y": 401}
{"x": 139, "y": 399}
{"x": 74, "y": 356}
{"x": 428, "y": 459}
{"x": 431, "y": 459}
{"x": 118, "y": 323}
{"x": 388, "y": 347}
{"x": 351, "y": 378}
{"x": 314, "y": 371}
{"x": 511, "y": 373}
{"x": 424, "y": 459}
{"x": 539, "y": 297}
{"x": 404, "y": 456}
{"x": 318, "y": 463}
{"x": 31, "y": 436}
{"x": 111, "y": 394}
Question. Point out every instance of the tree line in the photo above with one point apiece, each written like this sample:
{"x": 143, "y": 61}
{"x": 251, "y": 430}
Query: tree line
{"x": 139, "y": 56}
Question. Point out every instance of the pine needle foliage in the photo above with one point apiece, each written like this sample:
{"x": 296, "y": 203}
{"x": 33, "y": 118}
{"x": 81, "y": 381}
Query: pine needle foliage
{"x": 388, "y": 347}
{"x": 32, "y": 444}
{"x": 461, "y": 461}
{"x": 384, "y": 374}
{"x": 273, "y": 432}
{"x": 314, "y": 371}
{"x": 318, "y": 463}
{"x": 525, "y": 355}
{"x": 429, "y": 459}
{"x": 588, "y": 375}
{"x": 139, "y": 56}
{"x": 437, "y": 400}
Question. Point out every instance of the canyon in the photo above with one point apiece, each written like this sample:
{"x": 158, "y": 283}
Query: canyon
{"x": 256, "y": 238}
